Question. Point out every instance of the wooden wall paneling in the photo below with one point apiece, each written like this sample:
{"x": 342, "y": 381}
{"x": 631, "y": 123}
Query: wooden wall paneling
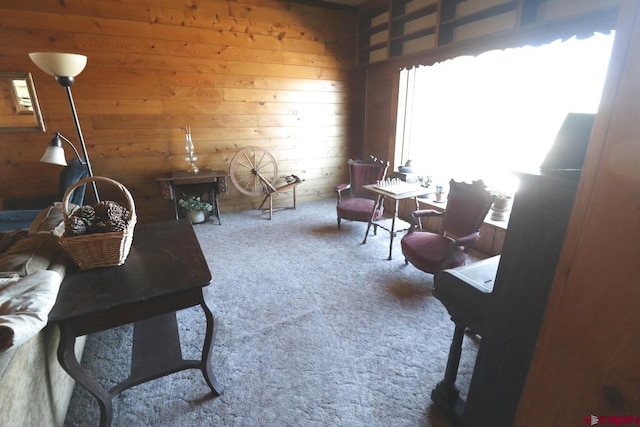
{"x": 379, "y": 121}
{"x": 259, "y": 72}
{"x": 248, "y": 49}
{"x": 498, "y": 241}
{"x": 107, "y": 9}
{"x": 491, "y": 25}
{"x": 356, "y": 110}
{"x": 558, "y": 9}
{"x": 528, "y": 12}
{"x": 275, "y": 70}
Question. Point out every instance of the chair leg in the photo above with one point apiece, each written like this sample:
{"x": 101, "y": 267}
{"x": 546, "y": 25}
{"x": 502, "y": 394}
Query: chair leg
{"x": 446, "y": 395}
{"x": 338, "y": 223}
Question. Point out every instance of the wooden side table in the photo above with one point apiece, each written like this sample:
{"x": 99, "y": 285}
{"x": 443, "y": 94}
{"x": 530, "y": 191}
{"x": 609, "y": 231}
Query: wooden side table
{"x": 397, "y": 193}
{"x": 165, "y": 271}
{"x": 175, "y": 185}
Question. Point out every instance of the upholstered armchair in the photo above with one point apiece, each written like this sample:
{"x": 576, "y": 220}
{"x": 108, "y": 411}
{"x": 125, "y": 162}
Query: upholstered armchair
{"x": 467, "y": 206}
{"x": 359, "y": 205}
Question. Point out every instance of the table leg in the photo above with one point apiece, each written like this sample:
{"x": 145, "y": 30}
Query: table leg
{"x": 207, "y": 349}
{"x": 216, "y": 191}
{"x": 393, "y": 229}
{"x": 174, "y": 196}
{"x": 157, "y": 352}
{"x": 415, "y": 199}
{"x": 373, "y": 214}
{"x": 69, "y": 362}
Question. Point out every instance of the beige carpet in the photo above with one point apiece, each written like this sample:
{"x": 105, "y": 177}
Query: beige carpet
{"x": 314, "y": 329}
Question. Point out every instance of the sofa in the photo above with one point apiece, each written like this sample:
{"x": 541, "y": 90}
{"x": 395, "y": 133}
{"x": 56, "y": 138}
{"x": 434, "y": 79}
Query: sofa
{"x": 34, "y": 389}
{"x": 19, "y": 213}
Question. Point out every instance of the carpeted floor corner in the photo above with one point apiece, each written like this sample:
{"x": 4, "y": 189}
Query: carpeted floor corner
{"x": 314, "y": 329}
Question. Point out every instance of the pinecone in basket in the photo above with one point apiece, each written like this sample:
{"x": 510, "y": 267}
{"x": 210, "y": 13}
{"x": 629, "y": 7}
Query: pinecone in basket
{"x": 75, "y": 226}
{"x": 79, "y": 221}
{"x": 110, "y": 217}
{"x": 105, "y": 217}
{"x": 99, "y": 227}
{"x": 86, "y": 212}
{"x": 116, "y": 225}
{"x": 108, "y": 210}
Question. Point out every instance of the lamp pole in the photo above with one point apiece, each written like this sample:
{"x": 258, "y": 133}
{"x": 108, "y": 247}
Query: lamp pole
{"x": 64, "y": 67}
{"x": 67, "y": 82}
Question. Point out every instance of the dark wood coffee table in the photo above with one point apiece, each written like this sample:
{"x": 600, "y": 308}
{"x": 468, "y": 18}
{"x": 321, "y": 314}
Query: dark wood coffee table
{"x": 164, "y": 272}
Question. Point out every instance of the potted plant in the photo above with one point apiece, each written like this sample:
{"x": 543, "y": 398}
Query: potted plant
{"x": 196, "y": 208}
{"x": 425, "y": 181}
{"x": 440, "y": 196}
{"x": 501, "y": 205}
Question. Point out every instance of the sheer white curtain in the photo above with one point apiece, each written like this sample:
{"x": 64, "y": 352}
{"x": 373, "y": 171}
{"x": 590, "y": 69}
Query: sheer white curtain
{"x": 481, "y": 117}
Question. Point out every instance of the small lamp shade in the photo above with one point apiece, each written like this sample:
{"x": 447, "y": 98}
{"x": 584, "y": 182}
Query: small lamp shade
{"x": 54, "y": 155}
{"x": 59, "y": 64}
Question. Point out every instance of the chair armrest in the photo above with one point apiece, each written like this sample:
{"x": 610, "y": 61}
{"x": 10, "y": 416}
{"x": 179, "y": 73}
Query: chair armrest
{"x": 426, "y": 212}
{"x": 467, "y": 240}
{"x": 417, "y": 215}
{"x": 340, "y": 188}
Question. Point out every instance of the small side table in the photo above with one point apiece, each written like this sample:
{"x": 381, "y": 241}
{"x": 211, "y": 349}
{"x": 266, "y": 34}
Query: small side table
{"x": 165, "y": 271}
{"x": 397, "y": 193}
{"x": 175, "y": 185}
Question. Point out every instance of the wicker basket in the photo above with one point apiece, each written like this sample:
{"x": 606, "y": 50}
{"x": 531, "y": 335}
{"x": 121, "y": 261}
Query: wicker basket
{"x": 99, "y": 249}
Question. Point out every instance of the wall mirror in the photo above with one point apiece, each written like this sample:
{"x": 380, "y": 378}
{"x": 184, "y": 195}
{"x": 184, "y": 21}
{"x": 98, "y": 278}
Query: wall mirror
{"x": 19, "y": 107}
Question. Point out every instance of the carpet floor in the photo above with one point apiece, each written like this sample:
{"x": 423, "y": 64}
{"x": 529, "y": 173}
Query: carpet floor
{"x": 313, "y": 329}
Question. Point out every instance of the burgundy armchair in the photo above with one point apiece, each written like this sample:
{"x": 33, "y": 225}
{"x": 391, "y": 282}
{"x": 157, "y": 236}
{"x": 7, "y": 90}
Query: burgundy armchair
{"x": 467, "y": 206}
{"x": 360, "y": 203}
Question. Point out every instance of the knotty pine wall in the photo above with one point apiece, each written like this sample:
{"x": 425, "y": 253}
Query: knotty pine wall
{"x": 268, "y": 73}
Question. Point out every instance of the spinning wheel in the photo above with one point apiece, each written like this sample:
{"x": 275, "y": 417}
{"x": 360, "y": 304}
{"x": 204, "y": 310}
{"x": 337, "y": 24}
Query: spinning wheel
{"x": 253, "y": 171}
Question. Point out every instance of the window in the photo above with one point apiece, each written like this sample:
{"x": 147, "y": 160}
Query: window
{"x": 481, "y": 117}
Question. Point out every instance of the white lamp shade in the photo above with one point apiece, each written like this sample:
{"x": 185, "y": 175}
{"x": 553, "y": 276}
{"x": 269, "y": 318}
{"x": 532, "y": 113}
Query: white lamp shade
{"x": 54, "y": 155}
{"x": 59, "y": 64}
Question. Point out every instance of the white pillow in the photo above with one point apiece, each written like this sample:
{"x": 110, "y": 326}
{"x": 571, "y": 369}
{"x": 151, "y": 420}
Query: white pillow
{"x": 25, "y": 306}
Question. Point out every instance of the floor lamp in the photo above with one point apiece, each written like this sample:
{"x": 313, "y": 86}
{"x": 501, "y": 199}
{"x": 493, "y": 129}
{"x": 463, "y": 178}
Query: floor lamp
{"x": 65, "y": 67}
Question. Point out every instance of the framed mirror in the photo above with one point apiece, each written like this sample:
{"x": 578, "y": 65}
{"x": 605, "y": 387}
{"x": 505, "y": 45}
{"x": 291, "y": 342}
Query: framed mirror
{"x": 19, "y": 107}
